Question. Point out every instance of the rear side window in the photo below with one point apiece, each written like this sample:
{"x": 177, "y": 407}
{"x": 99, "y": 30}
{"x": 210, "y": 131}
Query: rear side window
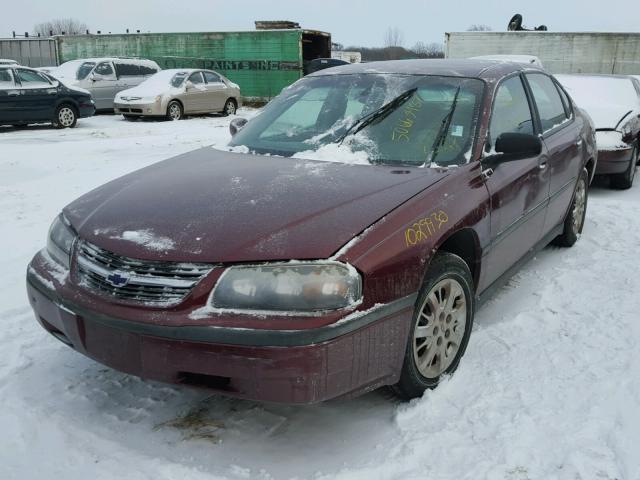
{"x": 6, "y": 79}
{"x": 565, "y": 101}
{"x": 126, "y": 69}
{"x": 511, "y": 111}
{"x": 211, "y": 77}
{"x": 31, "y": 79}
{"x": 148, "y": 70}
{"x": 550, "y": 106}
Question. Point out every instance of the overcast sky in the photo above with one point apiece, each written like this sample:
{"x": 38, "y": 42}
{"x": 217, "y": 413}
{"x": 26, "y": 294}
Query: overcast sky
{"x": 351, "y": 22}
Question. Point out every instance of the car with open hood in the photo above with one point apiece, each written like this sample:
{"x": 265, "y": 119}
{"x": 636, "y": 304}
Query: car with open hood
{"x": 175, "y": 93}
{"x": 29, "y": 96}
{"x": 613, "y": 102}
{"x": 341, "y": 242}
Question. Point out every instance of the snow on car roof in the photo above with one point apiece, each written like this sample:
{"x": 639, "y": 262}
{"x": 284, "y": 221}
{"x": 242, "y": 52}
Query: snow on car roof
{"x": 605, "y": 97}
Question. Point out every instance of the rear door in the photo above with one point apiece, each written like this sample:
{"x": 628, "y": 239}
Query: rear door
{"x": 104, "y": 85}
{"x": 9, "y": 96}
{"x": 196, "y": 95}
{"x": 38, "y": 96}
{"x": 561, "y": 136}
{"x": 217, "y": 91}
{"x": 519, "y": 190}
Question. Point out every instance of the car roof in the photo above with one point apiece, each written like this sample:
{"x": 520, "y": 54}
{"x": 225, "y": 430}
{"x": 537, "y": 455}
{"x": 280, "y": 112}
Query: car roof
{"x": 486, "y": 69}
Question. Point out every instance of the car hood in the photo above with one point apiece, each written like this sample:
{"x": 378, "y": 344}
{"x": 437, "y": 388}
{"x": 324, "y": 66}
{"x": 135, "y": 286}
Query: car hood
{"x": 607, "y": 116}
{"x": 151, "y": 90}
{"x": 215, "y": 206}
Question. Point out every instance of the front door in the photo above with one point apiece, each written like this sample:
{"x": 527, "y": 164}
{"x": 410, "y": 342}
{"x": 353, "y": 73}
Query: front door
{"x": 196, "y": 95}
{"x": 37, "y": 96}
{"x": 518, "y": 190}
{"x": 104, "y": 85}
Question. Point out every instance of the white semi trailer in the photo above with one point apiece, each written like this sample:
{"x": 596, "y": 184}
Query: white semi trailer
{"x": 560, "y": 52}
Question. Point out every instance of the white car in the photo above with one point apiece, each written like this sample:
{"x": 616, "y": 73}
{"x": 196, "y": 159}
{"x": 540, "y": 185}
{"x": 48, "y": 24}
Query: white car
{"x": 8, "y": 61}
{"x": 105, "y": 77}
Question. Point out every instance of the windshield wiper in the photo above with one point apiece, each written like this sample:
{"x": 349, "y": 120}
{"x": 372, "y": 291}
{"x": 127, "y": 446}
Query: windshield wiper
{"x": 444, "y": 127}
{"x": 376, "y": 115}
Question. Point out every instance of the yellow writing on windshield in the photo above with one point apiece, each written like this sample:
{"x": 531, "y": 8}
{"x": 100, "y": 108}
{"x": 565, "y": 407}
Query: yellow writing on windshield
{"x": 402, "y": 129}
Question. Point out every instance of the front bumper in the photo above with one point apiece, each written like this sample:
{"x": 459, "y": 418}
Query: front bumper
{"x": 613, "y": 161}
{"x": 287, "y": 366}
{"x": 152, "y": 109}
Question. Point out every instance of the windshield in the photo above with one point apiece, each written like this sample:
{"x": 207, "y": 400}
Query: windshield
{"x": 178, "y": 78}
{"x": 84, "y": 70}
{"x": 318, "y": 112}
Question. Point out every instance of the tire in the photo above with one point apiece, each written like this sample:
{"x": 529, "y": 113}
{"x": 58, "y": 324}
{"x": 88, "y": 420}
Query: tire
{"x": 624, "y": 181}
{"x": 447, "y": 324}
{"x": 65, "y": 116}
{"x": 574, "y": 221}
{"x": 230, "y": 107}
{"x": 130, "y": 118}
{"x": 175, "y": 110}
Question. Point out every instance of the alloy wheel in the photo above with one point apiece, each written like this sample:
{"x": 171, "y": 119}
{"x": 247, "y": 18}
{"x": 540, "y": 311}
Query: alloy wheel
{"x": 439, "y": 331}
{"x": 579, "y": 205}
{"x": 174, "y": 111}
{"x": 66, "y": 117}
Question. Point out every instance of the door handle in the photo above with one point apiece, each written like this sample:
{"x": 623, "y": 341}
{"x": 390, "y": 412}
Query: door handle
{"x": 542, "y": 165}
{"x": 578, "y": 143}
{"x": 486, "y": 173}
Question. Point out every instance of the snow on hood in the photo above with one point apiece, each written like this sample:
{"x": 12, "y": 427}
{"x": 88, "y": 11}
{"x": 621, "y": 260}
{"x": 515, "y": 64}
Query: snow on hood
{"x": 606, "y": 99}
{"x": 213, "y": 206}
{"x": 157, "y": 84}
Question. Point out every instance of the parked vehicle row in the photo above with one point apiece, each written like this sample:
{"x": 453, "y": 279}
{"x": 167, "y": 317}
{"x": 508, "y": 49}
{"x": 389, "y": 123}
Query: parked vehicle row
{"x": 284, "y": 278}
{"x": 29, "y": 96}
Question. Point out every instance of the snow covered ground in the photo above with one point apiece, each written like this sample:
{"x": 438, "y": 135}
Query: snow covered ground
{"x": 549, "y": 387}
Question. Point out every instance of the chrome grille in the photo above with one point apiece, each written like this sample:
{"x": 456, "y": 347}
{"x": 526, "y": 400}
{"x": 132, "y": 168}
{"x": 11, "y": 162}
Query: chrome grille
{"x": 141, "y": 281}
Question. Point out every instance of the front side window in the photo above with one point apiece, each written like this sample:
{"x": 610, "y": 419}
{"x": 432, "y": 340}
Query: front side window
{"x": 85, "y": 69}
{"x": 196, "y": 78}
{"x": 6, "y": 79}
{"x": 511, "y": 112}
{"x": 550, "y": 107}
{"x": 105, "y": 69}
{"x": 317, "y": 112}
{"x": 31, "y": 79}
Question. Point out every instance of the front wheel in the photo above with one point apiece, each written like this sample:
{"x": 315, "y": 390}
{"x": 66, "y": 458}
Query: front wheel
{"x": 174, "y": 111}
{"x": 441, "y": 326}
{"x": 230, "y": 107}
{"x": 624, "y": 181}
{"x": 65, "y": 117}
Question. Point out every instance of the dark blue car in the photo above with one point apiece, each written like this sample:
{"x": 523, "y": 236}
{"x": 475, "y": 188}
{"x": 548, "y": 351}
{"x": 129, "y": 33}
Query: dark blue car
{"x": 29, "y": 96}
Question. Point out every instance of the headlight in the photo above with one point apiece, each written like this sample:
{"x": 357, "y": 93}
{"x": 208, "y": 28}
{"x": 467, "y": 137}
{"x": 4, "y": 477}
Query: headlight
{"x": 291, "y": 287}
{"x": 60, "y": 240}
{"x": 151, "y": 99}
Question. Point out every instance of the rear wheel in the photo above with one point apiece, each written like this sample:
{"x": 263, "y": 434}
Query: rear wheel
{"x": 175, "y": 111}
{"x": 574, "y": 222}
{"x": 230, "y": 107}
{"x": 623, "y": 181}
{"x": 65, "y": 117}
{"x": 441, "y": 326}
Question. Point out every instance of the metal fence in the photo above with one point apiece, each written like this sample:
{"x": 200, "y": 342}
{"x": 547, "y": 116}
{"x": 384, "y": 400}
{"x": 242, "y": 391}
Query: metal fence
{"x": 32, "y": 52}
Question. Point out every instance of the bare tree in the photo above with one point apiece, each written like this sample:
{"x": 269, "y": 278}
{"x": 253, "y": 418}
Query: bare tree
{"x": 59, "y": 26}
{"x": 479, "y": 27}
{"x": 393, "y": 37}
{"x": 428, "y": 50}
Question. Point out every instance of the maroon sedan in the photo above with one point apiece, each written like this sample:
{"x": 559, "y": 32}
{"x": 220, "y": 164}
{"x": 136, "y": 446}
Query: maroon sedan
{"x": 613, "y": 102}
{"x": 342, "y": 243}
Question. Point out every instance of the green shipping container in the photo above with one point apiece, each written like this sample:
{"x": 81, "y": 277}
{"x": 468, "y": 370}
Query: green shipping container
{"x": 262, "y": 62}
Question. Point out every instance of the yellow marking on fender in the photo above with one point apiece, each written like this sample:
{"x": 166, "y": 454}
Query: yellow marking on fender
{"x": 425, "y": 228}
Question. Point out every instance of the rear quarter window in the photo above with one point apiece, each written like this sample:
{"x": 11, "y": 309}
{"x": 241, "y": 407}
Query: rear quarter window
{"x": 550, "y": 105}
{"x": 128, "y": 69}
{"x": 6, "y": 79}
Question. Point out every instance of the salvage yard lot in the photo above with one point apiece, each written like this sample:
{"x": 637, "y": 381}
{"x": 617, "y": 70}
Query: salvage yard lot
{"x": 548, "y": 387}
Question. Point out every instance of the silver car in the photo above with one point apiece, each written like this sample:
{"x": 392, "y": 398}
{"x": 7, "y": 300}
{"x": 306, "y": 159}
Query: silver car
{"x": 105, "y": 77}
{"x": 175, "y": 93}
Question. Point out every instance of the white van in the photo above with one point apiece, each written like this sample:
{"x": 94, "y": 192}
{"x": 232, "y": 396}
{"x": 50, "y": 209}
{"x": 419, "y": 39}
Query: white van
{"x": 105, "y": 77}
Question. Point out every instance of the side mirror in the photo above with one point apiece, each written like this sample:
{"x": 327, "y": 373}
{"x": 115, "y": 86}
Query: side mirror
{"x": 236, "y": 125}
{"x": 515, "y": 146}
{"x": 189, "y": 85}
